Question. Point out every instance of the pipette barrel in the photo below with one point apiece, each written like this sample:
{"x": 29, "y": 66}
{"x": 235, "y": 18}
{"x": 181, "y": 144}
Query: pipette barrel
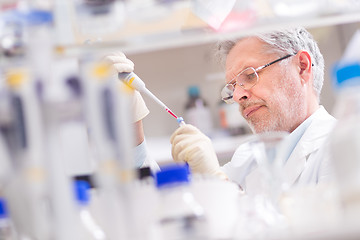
{"x": 133, "y": 81}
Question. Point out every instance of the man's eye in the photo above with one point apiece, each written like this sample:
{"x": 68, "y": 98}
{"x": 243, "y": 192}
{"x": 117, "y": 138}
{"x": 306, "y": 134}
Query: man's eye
{"x": 251, "y": 76}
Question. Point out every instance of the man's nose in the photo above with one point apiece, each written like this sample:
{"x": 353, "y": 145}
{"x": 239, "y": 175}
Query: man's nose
{"x": 240, "y": 94}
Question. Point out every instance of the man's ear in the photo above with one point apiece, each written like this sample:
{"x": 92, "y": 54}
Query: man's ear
{"x": 305, "y": 66}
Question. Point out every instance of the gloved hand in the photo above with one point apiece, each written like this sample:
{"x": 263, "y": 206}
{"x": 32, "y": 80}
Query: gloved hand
{"x": 121, "y": 63}
{"x": 192, "y": 146}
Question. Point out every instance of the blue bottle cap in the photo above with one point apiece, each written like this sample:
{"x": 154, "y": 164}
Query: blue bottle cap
{"x": 3, "y": 208}
{"x": 36, "y": 17}
{"x": 28, "y": 18}
{"x": 82, "y": 191}
{"x": 193, "y": 91}
{"x": 172, "y": 174}
{"x": 346, "y": 75}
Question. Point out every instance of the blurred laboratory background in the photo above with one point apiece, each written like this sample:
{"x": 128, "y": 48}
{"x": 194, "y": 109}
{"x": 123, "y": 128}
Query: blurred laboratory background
{"x": 171, "y": 43}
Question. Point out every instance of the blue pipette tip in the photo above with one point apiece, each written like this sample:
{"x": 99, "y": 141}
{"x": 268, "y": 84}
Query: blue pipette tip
{"x": 180, "y": 120}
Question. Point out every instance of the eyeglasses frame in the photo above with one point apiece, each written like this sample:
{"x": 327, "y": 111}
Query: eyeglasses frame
{"x": 256, "y": 70}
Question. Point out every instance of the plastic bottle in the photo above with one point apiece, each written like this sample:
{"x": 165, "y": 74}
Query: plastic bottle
{"x": 91, "y": 228}
{"x": 197, "y": 111}
{"x": 180, "y": 216}
{"x": 7, "y": 231}
{"x": 344, "y": 146}
{"x": 27, "y": 63}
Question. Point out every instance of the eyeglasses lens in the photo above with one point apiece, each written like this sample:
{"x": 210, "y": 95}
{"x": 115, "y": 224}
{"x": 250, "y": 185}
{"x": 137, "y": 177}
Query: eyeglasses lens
{"x": 227, "y": 93}
{"x": 247, "y": 78}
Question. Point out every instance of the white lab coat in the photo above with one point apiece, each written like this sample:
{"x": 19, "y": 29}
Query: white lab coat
{"x": 305, "y": 164}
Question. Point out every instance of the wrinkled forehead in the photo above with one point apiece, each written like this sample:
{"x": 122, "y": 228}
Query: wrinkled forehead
{"x": 247, "y": 52}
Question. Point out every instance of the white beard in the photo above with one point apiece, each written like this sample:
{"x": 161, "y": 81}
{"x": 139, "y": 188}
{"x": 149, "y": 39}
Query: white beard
{"x": 285, "y": 108}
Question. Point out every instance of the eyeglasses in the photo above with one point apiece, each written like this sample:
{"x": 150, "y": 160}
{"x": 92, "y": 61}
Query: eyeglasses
{"x": 246, "y": 79}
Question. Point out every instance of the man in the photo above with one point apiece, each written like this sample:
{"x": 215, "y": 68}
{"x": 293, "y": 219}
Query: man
{"x": 276, "y": 78}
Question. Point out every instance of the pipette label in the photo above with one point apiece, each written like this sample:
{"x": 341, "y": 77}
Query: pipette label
{"x": 131, "y": 80}
{"x": 129, "y": 83}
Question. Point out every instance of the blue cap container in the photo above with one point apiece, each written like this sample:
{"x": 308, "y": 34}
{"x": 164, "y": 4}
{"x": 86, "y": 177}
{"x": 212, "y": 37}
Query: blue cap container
{"x": 346, "y": 75}
{"x": 172, "y": 174}
{"x": 3, "y": 208}
{"x": 82, "y": 191}
{"x": 193, "y": 91}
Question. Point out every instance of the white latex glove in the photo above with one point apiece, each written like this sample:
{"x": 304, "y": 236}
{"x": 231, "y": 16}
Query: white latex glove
{"x": 121, "y": 63}
{"x": 139, "y": 107}
{"x": 190, "y": 145}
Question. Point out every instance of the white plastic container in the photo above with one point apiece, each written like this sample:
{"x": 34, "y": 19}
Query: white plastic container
{"x": 179, "y": 214}
{"x": 345, "y": 139}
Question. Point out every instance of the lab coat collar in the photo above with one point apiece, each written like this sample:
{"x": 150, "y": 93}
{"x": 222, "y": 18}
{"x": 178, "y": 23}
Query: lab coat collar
{"x": 310, "y": 142}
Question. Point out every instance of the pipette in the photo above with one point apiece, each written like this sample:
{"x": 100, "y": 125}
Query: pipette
{"x": 132, "y": 80}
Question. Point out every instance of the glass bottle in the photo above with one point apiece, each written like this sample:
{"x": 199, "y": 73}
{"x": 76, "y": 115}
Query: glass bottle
{"x": 197, "y": 111}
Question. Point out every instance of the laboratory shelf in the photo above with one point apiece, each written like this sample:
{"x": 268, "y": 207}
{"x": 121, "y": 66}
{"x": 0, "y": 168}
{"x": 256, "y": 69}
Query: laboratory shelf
{"x": 141, "y": 37}
{"x": 204, "y": 35}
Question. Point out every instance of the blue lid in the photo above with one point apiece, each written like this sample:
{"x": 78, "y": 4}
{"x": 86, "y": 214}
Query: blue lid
{"x": 346, "y": 75}
{"x": 31, "y": 17}
{"x": 193, "y": 91}
{"x": 36, "y": 17}
{"x": 3, "y": 208}
{"x": 172, "y": 173}
{"x": 82, "y": 191}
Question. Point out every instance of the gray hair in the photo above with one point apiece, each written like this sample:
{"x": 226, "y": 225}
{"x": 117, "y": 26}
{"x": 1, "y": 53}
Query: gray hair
{"x": 286, "y": 41}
